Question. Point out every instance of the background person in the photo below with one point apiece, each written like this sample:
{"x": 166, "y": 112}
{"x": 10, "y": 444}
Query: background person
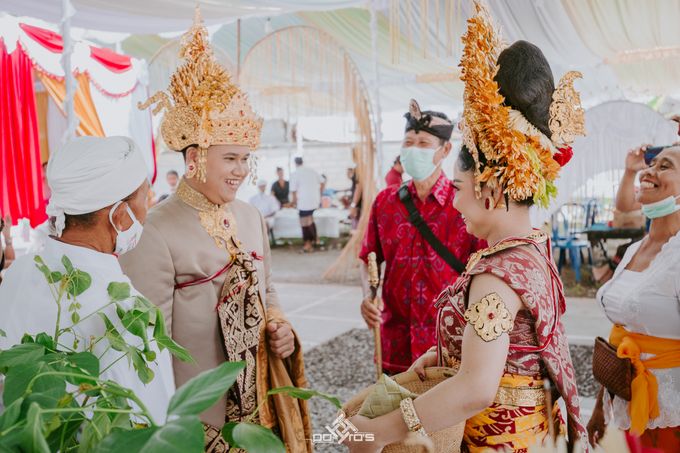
{"x": 642, "y": 301}
{"x": 306, "y": 185}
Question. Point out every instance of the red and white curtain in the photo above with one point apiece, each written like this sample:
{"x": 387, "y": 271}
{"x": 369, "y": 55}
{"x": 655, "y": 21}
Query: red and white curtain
{"x": 109, "y": 87}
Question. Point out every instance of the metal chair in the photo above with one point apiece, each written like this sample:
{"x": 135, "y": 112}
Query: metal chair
{"x": 568, "y": 226}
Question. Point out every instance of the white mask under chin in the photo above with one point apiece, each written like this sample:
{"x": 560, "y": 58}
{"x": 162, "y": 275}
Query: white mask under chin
{"x": 128, "y": 239}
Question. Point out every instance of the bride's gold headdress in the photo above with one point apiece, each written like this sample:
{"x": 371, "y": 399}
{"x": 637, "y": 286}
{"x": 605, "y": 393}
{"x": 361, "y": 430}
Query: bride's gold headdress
{"x": 207, "y": 108}
{"x": 520, "y": 160}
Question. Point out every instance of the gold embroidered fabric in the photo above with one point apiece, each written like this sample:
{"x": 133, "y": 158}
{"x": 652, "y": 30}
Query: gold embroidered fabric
{"x": 520, "y": 396}
{"x": 218, "y": 221}
{"x": 489, "y": 317}
{"x": 213, "y": 442}
{"x": 537, "y": 236}
{"x": 241, "y": 316}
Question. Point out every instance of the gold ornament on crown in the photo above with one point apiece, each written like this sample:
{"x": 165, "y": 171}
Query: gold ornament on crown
{"x": 204, "y": 107}
{"x": 567, "y": 118}
{"x": 519, "y": 158}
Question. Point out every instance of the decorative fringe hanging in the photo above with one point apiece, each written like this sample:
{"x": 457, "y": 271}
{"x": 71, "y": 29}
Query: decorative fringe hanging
{"x": 411, "y": 21}
{"x": 347, "y": 263}
{"x": 309, "y": 74}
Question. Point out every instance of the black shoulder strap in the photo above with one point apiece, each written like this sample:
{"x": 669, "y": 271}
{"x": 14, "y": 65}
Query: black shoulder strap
{"x": 417, "y": 221}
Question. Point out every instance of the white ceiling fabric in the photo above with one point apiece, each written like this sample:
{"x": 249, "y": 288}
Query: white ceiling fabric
{"x": 590, "y": 36}
{"x": 579, "y": 35}
{"x": 156, "y": 16}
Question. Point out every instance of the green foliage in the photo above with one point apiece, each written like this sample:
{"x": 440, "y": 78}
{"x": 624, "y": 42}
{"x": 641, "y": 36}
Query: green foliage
{"x": 252, "y": 438}
{"x": 201, "y": 392}
{"x": 305, "y": 394}
{"x": 43, "y": 414}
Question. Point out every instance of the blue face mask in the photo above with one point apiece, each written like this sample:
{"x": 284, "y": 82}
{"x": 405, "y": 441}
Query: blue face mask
{"x": 661, "y": 208}
{"x": 418, "y": 162}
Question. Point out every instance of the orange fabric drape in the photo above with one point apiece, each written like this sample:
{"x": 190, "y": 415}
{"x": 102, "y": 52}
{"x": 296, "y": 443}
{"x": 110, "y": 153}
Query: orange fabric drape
{"x": 83, "y": 105}
{"x": 644, "y": 404}
{"x": 41, "y": 101}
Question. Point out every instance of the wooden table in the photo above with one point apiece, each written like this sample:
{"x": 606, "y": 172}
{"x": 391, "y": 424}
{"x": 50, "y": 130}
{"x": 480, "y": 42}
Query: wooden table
{"x": 599, "y": 234}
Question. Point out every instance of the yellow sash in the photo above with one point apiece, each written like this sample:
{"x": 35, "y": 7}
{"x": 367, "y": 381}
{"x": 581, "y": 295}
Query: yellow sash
{"x": 644, "y": 403}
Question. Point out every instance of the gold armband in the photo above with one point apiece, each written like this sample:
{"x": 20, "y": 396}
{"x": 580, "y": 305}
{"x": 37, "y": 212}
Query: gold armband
{"x": 489, "y": 317}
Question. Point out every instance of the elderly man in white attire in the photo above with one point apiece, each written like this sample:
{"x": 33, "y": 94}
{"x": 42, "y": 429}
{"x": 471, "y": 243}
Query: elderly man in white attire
{"x": 99, "y": 189}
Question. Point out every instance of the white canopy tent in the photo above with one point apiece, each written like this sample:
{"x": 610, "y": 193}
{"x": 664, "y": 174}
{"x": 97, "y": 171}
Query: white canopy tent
{"x": 157, "y": 16}
{"x": 616, "y": 44}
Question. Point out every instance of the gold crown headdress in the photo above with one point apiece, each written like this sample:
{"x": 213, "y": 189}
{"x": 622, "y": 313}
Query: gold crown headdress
{"x": 209, "y": 109}
{"x": 520, "y": 160}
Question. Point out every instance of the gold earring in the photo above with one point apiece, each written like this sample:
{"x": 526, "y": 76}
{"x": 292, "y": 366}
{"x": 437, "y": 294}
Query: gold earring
{"x": 489, "y": 203}
{"x": 191, "y": 171}
{"x": 202, "y": 169}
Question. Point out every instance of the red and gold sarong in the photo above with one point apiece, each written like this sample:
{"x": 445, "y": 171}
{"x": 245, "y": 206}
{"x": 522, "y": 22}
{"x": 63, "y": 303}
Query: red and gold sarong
{"x": 516, "y": 420}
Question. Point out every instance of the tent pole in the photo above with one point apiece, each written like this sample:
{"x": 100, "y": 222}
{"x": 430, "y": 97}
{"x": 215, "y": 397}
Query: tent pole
{"x": 377, "y": 120}
{"x": 238, "y": 49}
{"x": 67, "y": 11}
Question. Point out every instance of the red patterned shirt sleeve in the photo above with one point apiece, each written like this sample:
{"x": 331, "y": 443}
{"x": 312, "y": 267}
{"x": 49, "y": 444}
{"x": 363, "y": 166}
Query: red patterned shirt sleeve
{"x": 371, "y": 242}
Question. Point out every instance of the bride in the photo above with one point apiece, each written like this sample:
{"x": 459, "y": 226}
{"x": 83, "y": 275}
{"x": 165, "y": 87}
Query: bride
{"x": 502, "y": 320}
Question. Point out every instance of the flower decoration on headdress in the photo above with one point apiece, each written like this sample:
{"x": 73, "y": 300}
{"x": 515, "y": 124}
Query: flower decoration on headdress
{"x": 520, "y": 160}
{"x": 207, "y": 108}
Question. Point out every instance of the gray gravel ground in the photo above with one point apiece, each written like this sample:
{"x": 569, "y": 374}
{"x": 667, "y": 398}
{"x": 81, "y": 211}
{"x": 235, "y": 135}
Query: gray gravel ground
{"x": 343, "y": 366}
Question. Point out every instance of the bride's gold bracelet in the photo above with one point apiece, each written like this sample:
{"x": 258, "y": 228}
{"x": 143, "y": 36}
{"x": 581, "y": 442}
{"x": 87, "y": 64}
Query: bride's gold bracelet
{"x": 408, "y": 412}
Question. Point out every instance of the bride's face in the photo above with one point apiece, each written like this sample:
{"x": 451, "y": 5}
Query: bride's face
{"x": 477, "y": 218}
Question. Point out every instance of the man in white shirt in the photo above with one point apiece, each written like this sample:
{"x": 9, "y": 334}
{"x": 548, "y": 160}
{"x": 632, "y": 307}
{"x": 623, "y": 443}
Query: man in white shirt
{"x": 306, "y": 185}
{"x": 265, "y": 202}
{"x": 99, "y": 189}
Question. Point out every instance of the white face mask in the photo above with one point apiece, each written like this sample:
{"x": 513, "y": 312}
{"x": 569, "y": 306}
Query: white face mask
{"x": 661, "y": 208}
{"x": 128, "y": 239}
{"x": 418, "y": 162}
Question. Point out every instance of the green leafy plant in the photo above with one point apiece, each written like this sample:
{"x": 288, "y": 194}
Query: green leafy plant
{"x": 56, "y": 398}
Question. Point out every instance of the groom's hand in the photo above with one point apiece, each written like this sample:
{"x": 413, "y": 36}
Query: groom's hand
{"x": 281, "y": 339}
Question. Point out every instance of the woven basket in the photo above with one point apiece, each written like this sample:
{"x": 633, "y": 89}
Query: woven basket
{"x": 445, "y": 441}
{"x": 615, "y": 373}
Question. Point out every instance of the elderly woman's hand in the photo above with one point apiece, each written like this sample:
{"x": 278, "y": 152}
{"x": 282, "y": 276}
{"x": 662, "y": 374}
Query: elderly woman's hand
{"x": 635, "y": 159}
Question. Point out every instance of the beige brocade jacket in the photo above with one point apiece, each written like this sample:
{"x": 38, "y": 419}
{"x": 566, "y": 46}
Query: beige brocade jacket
{"x": 175, "y": 248}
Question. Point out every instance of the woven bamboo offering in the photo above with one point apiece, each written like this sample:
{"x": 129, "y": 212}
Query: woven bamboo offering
{"x": 445, "y": 441}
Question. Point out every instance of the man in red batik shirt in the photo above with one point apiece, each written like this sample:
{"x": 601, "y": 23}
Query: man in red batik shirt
{"x": 415, "y": 273}
{"x": 394, "y": 175}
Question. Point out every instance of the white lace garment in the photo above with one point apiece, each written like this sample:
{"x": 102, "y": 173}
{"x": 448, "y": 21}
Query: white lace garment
{"x": 648, "y": 302}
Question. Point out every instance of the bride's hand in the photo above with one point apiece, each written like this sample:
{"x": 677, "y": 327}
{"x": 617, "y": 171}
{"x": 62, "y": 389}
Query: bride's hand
{"x": 426, "y": 360}
{"x": 358, "y": 445}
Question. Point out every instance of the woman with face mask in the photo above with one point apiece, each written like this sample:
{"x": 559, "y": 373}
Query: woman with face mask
{"x": 98, "y": 205}
{"x": 642, "y": 300}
